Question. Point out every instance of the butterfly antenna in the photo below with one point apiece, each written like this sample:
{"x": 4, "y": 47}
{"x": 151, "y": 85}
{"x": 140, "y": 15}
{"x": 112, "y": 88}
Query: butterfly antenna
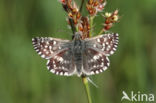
{"x": 92, "y": 82}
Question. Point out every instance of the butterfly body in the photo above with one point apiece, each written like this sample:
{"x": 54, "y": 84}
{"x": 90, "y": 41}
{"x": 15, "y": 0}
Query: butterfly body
{"x": 81, "y": 57}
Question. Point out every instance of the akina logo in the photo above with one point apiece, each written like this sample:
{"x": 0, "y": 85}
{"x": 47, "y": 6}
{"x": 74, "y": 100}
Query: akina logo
{"x": 140, "y": 97}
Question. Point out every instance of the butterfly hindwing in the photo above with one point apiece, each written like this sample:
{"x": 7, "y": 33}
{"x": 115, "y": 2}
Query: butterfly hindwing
{"x": 94, "y": 62}
{"x": 62, "y": 63}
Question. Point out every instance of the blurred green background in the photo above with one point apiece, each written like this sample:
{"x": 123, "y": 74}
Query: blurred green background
{"x": 24, "y": 77}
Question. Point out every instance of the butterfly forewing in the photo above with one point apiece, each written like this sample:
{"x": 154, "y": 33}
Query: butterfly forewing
{"x": 106, "y": 43}
{"x": 46, "y": 47}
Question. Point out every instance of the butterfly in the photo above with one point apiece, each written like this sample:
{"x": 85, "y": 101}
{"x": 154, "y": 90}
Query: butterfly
{"x": 87, "y": 56}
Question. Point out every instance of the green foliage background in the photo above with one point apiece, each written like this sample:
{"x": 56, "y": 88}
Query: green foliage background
{"x": 23, "y": 74}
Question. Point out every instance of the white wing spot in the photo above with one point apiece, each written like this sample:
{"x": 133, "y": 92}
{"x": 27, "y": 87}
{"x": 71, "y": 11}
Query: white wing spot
{"x": 50, "y": 47}
{"x": 37, "y": 50}
{"x": 47, "y": 43}
{"x": 39, "y": 53}
{"x": 53, "y": 62}
{"x": 35, "y": 47}
{"x": 44, "y": 50}
{"x": 48, "y": 62}
{"x": 95, "y": 57}
{"x": 52, "y": 70}
{"x": 109, "y": 46}
{"x": 92, "y": 72}
{"x": 54, "y": 42}
{"x": 111, "y": 52}
{"x": 98, "y": 40}
{"x": 115, "y": 45}
{"x": 102, "y": 64}
{"x": 60, "y": 59}
{"x": 117, "y": 34}
{"x": 97, "y": 71}
{"x": 59, "y": 47}
{"x": 104, "y": 68}
{"x": 107, "y": 59}
{"x": 100, "y": 70}
{"x": 48, "y": 67}
{"x": 103, "y": 44}
{"x": 66, "y": 74}
{"x": 61, "y": 73}
{"x": 100, "y": 55}
{"x": 43, "y": 56}
{"x": 33, "y": 43}
{"x": 114, "y": 49}
{"x": 108, "y": 63}
{"x": 47, "y": 52}
{"x": 42, "y": 40}
{"x": 46, "y": 46}
{"x": 109, "y": 36}
{"x": 94, "y": 45}
{"x": 105, "y": 39}
{"x": 57, "y": 73}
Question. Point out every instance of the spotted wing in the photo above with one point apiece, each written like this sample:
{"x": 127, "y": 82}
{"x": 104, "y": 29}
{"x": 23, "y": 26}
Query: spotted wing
{"x": 94, "y": 62}
{"x": 57, "y": 52}
{"x": 62, "y": 63}
{"x": 97, "y": 51}
{"x": 106, "y": 43}
{"x": 47, "y": 47}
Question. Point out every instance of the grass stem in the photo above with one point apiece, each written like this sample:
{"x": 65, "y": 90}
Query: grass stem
{"x": 91, "y": 26}
{"x": 81, "y": 7}
{"x": 85, "y": 82}
{"x": 101, "y": 32}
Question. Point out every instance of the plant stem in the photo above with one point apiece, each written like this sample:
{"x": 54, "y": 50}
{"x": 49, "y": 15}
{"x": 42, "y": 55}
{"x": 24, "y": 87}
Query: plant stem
{"x": 84, "y": 78}
{"x": 85, "y": 82}
{"x": 91, "y": 26}
{"x": 72, "y": 25}
{"x": 101, "y": 32}
{"x": 82, "y": 2}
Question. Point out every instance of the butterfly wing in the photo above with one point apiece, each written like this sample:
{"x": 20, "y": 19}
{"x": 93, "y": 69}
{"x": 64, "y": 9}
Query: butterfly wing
{"x": 97, "y": 51}
{"x": 106, "y": 43}
{"x": 47, "y": 47}
{"x": 94, "y": 62}
{"x": 57, "y": 52}
{"x": 62, "y": 63}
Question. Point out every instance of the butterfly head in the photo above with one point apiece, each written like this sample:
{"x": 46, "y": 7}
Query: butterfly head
{"x": 77, "y": 36}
